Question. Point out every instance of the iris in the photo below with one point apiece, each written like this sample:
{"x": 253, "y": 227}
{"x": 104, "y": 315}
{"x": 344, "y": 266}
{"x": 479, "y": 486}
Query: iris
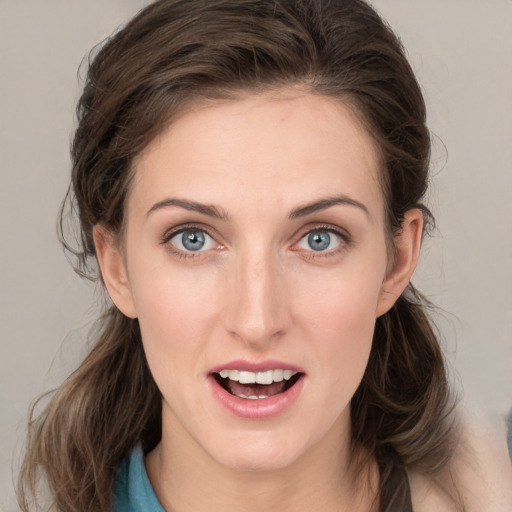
{"x": 319, "y": 240}
{"x": 193, "y": 240}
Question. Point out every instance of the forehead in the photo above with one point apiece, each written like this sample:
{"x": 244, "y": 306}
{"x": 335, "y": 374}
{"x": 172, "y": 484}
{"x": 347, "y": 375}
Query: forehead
{"x": 286, "y": 146}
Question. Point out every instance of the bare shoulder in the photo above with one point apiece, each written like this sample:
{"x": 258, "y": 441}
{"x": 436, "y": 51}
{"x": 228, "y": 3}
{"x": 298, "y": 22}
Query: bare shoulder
{"x": 479, "y": 478}
{"x": 429, "y": 496}
{"x": 482, "y": 466}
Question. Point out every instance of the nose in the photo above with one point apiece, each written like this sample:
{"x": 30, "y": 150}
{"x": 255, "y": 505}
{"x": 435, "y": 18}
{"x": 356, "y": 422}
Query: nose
{"x": 257, "y": 313}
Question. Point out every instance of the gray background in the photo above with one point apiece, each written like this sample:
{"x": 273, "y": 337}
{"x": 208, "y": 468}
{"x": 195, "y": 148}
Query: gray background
{"x": 462, "y": 53}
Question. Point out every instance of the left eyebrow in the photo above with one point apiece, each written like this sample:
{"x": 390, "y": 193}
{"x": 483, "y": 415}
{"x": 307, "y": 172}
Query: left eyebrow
{"x": 327, "y": 202}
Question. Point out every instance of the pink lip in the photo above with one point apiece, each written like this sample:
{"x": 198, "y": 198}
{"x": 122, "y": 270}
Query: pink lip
{"x": 263, "y": 408}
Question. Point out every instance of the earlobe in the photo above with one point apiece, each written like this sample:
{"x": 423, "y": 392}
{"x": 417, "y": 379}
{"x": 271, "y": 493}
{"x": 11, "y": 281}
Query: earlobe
{"x": 407, "y": 250}
{"x": 113, "y": 270}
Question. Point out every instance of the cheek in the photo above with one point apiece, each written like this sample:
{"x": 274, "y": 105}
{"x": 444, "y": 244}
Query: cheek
{"x": 342, "y": 301}
{"x": 344, "y": 336}
{"x": 339, "y": 316}
{"x": 176, "y": 309}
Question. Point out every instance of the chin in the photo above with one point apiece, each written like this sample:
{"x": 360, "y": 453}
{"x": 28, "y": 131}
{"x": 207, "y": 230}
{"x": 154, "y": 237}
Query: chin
{"x": 258, "y": 453}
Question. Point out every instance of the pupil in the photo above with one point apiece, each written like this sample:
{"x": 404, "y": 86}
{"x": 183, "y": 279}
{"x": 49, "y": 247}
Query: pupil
{"x": 193, "y": 240}
{"x": 319, "y": 241}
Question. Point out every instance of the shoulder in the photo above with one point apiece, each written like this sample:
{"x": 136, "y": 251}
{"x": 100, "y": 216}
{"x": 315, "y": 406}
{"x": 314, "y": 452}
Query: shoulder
{"x": 132, "y": 490}
{"x": 482, "y": 465}
{"x": 479, "y": 478}
{"x": 428, "y": 495}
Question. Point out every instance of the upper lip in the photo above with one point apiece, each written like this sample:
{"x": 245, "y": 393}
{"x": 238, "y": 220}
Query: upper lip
{"x": 252, "y": 366}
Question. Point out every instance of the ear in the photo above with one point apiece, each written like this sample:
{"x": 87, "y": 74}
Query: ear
{"x": 407, "y": 250}
{"x": 113, "y": 270}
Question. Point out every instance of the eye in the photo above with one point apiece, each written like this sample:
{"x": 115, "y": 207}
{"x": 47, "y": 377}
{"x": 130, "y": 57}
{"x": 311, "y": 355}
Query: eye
{"x": 192, "y": 240}
{"x": 320, "y": 240}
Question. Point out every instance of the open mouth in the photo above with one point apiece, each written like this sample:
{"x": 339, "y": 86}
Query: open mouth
{"x": 256, "y": 385}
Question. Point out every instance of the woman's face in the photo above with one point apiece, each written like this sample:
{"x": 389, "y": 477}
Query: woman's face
{"x": 255, "y": 249}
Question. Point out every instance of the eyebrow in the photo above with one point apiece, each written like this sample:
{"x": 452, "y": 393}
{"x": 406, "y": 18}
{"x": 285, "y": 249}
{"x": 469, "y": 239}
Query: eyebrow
{"x": 193, "y": 206}
{"x": 327, "y": 202}
{"x": 301, "y": 211}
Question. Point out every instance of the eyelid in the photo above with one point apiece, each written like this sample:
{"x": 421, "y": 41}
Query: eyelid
{"x": 346, "y": 239}
{"x": 176, "y": 230}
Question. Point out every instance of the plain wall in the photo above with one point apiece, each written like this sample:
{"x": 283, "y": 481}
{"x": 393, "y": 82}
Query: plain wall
{"x": 462, "y": 53}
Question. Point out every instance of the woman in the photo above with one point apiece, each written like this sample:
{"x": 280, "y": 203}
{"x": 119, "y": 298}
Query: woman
{"x": 248, "y": 175}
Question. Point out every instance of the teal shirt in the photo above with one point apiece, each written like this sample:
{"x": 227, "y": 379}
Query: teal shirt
{"x": 133, "y": 492}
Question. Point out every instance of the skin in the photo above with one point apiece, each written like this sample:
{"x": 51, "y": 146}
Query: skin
{"x": 480, "y": 472}
{"x": 258, "y": 291}
{"x": 482, "y": 463}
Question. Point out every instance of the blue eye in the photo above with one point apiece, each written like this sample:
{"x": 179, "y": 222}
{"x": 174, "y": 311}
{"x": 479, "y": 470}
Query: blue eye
{"x": 320, "y": 240}
{"x": 192, "y": 240}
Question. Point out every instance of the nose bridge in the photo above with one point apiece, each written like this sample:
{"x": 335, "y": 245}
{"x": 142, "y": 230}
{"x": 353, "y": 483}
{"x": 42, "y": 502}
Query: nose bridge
{"x": 258, "y": 310}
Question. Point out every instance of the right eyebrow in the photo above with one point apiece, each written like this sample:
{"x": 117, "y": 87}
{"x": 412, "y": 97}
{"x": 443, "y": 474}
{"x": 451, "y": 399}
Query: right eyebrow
{"x": 193, "y": 206}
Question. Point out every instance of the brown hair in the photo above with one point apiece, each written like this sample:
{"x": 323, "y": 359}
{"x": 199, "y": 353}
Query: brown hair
{"x": 179, "y": 51}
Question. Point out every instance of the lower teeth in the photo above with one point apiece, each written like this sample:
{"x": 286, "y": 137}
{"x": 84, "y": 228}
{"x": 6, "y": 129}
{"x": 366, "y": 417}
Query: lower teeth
{"x": 252, "y": 397}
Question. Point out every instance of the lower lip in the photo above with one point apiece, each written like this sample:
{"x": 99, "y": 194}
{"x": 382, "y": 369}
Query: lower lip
{"x": 262, "y": 408}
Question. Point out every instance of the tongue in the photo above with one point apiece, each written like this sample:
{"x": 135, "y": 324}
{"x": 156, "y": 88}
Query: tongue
{"x": 236, "y": 388}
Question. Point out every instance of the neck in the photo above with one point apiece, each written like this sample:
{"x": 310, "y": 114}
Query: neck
{"x": 187, "y": 479}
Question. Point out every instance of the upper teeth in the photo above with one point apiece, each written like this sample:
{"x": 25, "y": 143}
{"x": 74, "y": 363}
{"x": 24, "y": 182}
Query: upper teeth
{"x": 266, "y": 377}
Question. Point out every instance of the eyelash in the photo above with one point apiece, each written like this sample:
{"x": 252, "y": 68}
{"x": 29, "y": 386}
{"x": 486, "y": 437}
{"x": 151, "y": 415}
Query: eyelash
{"x": 345, "y": 242}
{"x": 169, "y": 235}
